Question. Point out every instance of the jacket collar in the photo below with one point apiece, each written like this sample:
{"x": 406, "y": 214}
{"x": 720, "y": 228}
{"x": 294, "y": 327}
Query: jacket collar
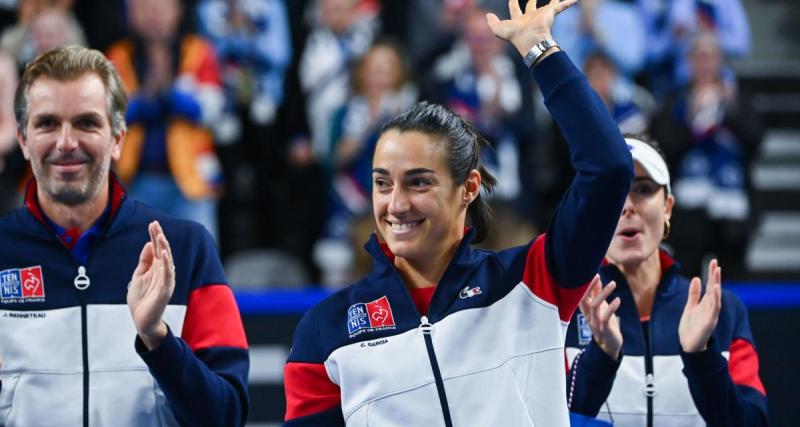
{"x": 667, "y": 284}
{"x": 461, "y": 268}
{"x": 116, "y": 192}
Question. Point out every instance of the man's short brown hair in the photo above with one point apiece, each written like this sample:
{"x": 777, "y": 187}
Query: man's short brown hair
{"x": 66, "y": 64}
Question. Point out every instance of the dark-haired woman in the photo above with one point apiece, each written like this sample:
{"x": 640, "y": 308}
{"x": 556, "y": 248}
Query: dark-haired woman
{"x": 440, "y": 334}
{"x": 675, "y": 344}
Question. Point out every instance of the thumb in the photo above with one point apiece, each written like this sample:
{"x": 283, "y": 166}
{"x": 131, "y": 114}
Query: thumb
{"x": 498, "y": 27}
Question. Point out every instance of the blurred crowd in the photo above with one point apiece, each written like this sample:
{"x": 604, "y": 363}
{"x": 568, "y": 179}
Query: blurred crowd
{"x": 257, "y": 118}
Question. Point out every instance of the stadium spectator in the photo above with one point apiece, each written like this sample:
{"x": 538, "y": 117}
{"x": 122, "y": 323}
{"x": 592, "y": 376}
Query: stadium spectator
{"x": 709, "y": 134}
{"x": 478, "y": 80}
{"x": 672, "y": 26}
{"x": 381, "y": 90}
{"x": 251, "y": 39}
{"x": 629, "y": 104}
{"x": 173, "y": 80}
{"x": 342, "y": 33}
{"x": 19, "y": 41}
{"x": 12, "y": 164}
{"x": 613, "y": 26}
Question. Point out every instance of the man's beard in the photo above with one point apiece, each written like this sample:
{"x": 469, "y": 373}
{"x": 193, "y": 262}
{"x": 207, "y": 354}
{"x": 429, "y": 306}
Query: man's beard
{"x": 70, "y": 196}
{"x": 77, "y": 192}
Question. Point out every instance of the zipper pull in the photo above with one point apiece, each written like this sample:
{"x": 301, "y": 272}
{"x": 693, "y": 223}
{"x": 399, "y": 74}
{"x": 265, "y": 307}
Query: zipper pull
{"x": 82, "y": 281}
{"x": 650, "y": 386}
{"x": 425, "y": 327}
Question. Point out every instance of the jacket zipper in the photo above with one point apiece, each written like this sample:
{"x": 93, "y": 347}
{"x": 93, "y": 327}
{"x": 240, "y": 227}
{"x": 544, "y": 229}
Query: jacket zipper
{"x": 650, "y": 386}
{"x": 427, "y": 330}
{"x": 82, "y": 282}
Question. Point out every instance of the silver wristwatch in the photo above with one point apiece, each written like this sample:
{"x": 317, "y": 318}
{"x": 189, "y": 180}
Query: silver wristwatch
{"x": 537, "y": 50}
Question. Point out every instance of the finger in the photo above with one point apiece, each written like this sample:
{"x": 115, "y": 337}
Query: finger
{"x": 605, "y": 316}
{"x": 595, "y": 285}
{"x": 151, "y": 229}
{"x": 694, "y": 294}
{"x": 169, "y": 262}
{"x": 595, "y": 288}
{"x": 718, "y": 289}
{"x": 145, "y": 259}
{"x": 583, "y": 306}
{"x": 493, "y": 21}
{"x": 169, "y": 265}
{"x": 561, "y": 6}
{"x": 167, "y": 272}
{"x": 596, "y": 301}
{"x": 165, "y": 244}
{"x": 159, "y": 235}
{"x": 530, "y": 6}
{"x": 603, "y": 294}
{"x": 712, "y": 268}
{"x": 586, "y": 300}
{"x": 513, "y": 9}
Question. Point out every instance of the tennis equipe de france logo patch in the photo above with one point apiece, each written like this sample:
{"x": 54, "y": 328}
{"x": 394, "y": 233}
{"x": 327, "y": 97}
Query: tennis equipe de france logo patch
{"x": 22, "y": 285}
{"x": 370, "y": 316}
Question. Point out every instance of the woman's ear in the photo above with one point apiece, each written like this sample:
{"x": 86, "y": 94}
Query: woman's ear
{"x": 472, "y": 187}
{"x": 668, "y": 206}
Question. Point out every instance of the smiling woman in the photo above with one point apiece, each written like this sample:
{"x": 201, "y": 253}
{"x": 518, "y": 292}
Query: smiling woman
{"x": 454, "y": 322}
{"x": 427, "y": 180}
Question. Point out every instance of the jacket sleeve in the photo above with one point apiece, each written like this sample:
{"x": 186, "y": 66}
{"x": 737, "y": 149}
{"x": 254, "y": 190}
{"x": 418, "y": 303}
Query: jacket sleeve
{"x": 312, "y": 399}
{"x": 585, "y": 219}
{"x": 728, "y": 393}
{"x": 590, "y": 379}
{"x": 204, "y": 373}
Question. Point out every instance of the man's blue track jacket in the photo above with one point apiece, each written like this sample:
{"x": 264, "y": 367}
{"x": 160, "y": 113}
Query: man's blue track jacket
{"x": 70, "y": 351}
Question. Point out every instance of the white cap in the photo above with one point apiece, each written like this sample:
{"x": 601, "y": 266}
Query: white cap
{"x": 649, "y": 159}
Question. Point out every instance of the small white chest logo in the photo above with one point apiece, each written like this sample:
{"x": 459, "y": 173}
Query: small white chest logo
{"x": 468, "y": 292}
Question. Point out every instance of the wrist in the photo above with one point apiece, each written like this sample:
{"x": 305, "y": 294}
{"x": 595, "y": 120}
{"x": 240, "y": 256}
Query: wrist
{"x": 695, "y": 348}
{"x": 528, "y": 41}
{"x": 153, "y": 339}
{"x": 539, "y": 51}
{"x": 610, "y": 351}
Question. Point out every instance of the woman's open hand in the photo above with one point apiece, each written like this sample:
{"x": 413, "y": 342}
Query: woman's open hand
{"x": 601, "y": 318}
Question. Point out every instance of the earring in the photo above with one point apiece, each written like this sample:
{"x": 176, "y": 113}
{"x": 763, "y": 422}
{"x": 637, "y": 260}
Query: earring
{"x": 667, "y": 228}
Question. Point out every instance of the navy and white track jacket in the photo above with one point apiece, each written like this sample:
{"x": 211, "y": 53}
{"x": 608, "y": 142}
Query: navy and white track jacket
{"x": 490, "y": 350}
{"x": 657, "y": 384}
{"x": 70, "y": 350}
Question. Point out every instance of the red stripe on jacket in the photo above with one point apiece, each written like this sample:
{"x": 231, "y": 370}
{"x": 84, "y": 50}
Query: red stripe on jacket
{"x": 543, "y": 285}
{"x": 743, "y": 365}
{"x": 308, "y": 389}
{"x": 212, "y": 319}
